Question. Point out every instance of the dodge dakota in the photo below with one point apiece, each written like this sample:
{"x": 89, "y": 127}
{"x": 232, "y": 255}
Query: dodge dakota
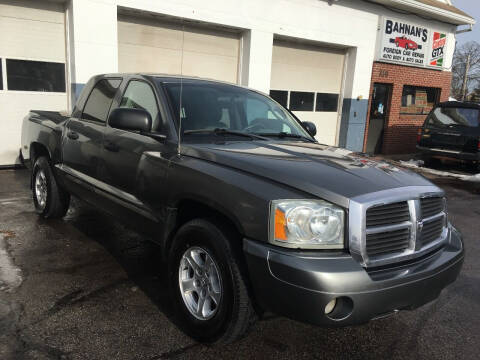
{"x": 252, "y": 214}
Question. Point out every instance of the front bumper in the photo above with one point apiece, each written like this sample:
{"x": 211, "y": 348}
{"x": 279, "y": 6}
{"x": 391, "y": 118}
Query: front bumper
{"x": 445, "y": 153}
{"x": 300, "y": 284}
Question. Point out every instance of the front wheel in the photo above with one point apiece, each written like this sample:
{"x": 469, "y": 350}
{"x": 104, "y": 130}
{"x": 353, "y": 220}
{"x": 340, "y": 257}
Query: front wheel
{"x": 208, "y": 289}
{"x": 49, "y": 199}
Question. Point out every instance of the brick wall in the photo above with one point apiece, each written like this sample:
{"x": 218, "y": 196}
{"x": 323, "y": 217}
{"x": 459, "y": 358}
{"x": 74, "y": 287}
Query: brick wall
{"x": 401, "y": 129}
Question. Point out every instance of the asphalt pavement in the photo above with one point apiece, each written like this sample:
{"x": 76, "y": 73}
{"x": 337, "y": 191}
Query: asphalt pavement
{"x": 86, "y": 287}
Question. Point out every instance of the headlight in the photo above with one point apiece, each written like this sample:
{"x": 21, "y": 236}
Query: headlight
{"x": 307, "y": 224}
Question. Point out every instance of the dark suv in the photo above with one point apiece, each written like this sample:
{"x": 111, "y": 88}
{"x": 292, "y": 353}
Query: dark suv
{"x": 451, "y": 130}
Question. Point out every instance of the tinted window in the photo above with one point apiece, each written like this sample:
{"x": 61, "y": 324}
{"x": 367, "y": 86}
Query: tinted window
{"x": 326, "y": 102}
{"x": 139, "y": 95}
{"x": 280, "y": 96}
{"x": 1, "y": 75}
{"x": 100, "y": 100}
{"x": 418, "y": 100}
{"x": 301, "y": 101}
{"x": 451, "y": 117}
{"x": 35, "y": 76}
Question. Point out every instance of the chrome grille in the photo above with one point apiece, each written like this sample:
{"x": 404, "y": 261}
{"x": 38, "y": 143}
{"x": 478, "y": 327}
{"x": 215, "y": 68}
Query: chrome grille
{"x": 432, "y": 230}
{"x": 395, "y": 225}
{"x": 388, "y": 214}
{"x": 388, "y": 242}
{"x": 380, "y": 238}
{"x": 431, "y": 206}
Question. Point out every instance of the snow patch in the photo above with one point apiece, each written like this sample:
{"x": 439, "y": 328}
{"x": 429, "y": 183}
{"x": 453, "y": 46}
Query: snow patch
{"x": 418, "y": 163}
{"x": 10, "y": 275}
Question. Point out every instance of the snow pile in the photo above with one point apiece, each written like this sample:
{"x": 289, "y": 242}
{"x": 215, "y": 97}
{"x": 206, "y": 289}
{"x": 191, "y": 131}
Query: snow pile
{"x": 415, "y": 164}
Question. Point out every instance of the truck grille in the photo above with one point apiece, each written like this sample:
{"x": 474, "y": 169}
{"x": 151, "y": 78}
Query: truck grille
{"x": 387, "y": 241}
{"x": 431, "y": 206}
{"x": 396, "y": 225}
{"x": 431, "y": 231}
{"x": 388, "y": 214}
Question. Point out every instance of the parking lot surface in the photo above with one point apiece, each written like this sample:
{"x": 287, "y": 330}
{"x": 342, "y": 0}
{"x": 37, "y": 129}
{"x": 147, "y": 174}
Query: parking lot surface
{"x": 86, "y": 287}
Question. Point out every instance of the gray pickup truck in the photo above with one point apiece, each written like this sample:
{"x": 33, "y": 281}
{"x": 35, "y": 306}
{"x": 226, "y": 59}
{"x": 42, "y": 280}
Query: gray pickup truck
{"x": 252, "y": 214}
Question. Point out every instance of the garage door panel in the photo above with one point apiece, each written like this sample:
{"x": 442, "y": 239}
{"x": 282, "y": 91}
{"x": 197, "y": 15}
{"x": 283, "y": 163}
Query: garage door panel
{"x": 210, "y": 66}
{"x": 152, "y": 46}
{"x": 33, "y": 39}
{"x": 300, "y": 78}
{"x": 160, "y": 60}
{"x": 148, "y": 34}
{"x": 326, "y": 124}
{"x": 33, "y": 10}
{"x": 326, "y": 58}
{"x": 211, "y": 43}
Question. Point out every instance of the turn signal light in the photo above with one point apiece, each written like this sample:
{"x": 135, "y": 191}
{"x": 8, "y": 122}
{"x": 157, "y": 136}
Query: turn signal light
{"x": 280, "y": 224}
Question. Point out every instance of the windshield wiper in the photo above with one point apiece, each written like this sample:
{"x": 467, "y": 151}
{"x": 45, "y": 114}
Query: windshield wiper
{"x": 286, "y": 135}
{"x": 221, "y": 131}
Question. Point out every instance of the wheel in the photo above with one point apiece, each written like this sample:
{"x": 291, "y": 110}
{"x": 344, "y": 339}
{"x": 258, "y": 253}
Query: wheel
{"x": 207, "y": 286}
{"x": 397, "y": 44}
{"x": 49, "y": 199}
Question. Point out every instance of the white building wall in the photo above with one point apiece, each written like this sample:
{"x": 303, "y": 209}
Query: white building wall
{"x": 92, "y": 40}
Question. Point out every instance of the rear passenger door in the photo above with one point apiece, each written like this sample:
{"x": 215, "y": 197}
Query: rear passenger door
{"x": 83, "y": 141}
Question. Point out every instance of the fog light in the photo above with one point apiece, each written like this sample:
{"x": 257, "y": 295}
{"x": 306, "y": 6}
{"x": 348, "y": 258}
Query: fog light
{"x": 330, "y": 306}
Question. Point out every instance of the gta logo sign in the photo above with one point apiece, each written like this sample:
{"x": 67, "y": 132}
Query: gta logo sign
{"x": 403, "y": 42}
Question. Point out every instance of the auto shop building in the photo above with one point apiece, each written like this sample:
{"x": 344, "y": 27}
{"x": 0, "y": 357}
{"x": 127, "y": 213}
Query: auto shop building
{"x": 322, "y": 59}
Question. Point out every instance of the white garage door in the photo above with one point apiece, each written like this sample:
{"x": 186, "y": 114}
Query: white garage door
{"x": 148, "y": 45}
{"x": 308, "y": 80}
{"x": 32, "y": 53}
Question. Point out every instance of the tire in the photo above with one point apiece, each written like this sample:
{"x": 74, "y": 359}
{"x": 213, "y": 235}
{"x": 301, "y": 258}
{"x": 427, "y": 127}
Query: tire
{"x": 228, "y": 313}
{"x": 50, "y": 200}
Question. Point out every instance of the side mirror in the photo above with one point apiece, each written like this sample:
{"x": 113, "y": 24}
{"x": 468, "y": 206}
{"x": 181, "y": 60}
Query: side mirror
{"x": 310, "y": 127}
{"x": 130, "y": 119}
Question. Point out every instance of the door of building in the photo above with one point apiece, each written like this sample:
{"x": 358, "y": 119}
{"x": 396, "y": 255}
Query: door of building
{"x": 378, "y": 117}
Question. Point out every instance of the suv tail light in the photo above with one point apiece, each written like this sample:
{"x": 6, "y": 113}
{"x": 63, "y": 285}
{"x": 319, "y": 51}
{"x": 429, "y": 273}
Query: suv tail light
{"x": 419, "y": 135}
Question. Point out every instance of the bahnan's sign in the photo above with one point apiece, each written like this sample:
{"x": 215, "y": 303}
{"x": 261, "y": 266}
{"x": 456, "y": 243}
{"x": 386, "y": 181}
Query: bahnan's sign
{"x": 408, "y": 43}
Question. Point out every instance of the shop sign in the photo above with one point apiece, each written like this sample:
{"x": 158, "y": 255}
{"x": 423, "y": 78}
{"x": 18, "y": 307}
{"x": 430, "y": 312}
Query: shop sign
{"x": 437, "y": 51}
{"x": 409, "y": 43}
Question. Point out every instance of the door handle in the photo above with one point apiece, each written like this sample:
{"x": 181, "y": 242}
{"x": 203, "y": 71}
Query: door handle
{"x": 72, "y": 135}
{"x": 110, "y": 146}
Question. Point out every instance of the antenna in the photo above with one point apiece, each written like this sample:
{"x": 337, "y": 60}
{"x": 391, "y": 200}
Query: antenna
{"x": 181, "y": 94}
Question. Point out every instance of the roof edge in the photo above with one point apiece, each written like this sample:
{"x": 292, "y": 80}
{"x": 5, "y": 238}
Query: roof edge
{"x": 441, "y": 12}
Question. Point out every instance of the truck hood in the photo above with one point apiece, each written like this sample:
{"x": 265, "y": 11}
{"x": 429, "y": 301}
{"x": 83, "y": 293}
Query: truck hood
{"x": 328, "y": 172}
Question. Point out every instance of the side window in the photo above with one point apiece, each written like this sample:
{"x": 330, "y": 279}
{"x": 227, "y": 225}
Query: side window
{"x": 100, "y": 99}
{"x": 139, "y": 95}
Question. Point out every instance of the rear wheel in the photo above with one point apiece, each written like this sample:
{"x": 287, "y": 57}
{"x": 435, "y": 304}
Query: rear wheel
{"x": 209, "y": 292}
{"x": 50, "y": 200}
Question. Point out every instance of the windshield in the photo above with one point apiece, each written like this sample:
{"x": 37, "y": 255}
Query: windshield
{"x": 210, "y": 106}
{"x": 450, "y": 117}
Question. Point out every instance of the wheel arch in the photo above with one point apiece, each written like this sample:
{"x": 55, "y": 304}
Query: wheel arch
{"x": 187, "y": 209}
